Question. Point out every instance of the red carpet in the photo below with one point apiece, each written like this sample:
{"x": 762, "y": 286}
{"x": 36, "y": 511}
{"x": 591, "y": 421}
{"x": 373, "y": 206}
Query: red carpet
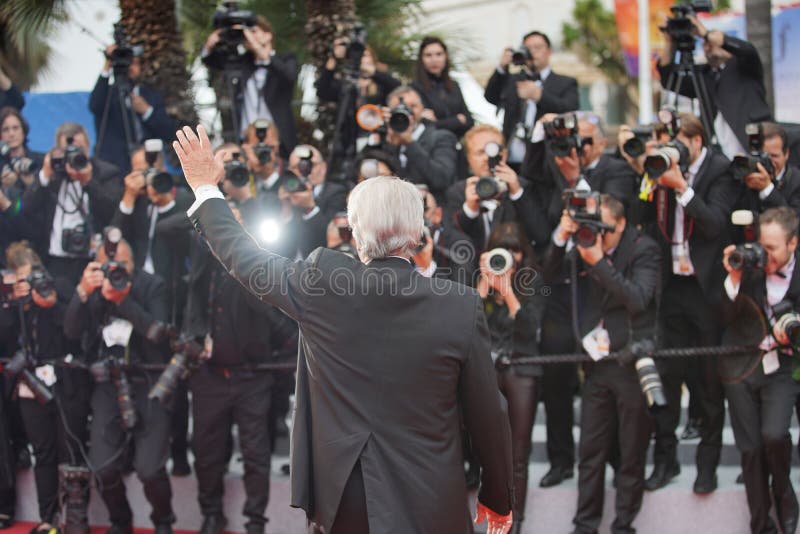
{"x": 24, "y": 527}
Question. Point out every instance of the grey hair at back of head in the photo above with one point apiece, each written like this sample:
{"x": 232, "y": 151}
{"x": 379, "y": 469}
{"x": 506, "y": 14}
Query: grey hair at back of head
{"x": 386, "y": 215}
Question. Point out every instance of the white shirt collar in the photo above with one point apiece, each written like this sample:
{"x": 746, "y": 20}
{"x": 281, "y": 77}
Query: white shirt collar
{"x": 417, "y": 133}
{"x": 271, "y": 180}
{"x": 694, "y": 167}
{"x": 166, "y": 207}
{"x": 781, "y": 174}
{"x": 544, "y": 73}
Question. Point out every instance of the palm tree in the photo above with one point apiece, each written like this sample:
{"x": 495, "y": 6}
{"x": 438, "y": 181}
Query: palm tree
{"x": 759, "y": 32}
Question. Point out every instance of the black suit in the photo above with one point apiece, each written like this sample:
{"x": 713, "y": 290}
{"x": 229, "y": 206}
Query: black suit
{"x": 737, "y": 91}
{"x": 785, "y": 192}
{"x": 112, "y": 144}
{"x": 620, "y": 293}
{"x": 760, "y": 411}
{"x": 400, "y": 422}
{"x": 431, "y": 160}
{"x": 559, "y": 95}
{"x": 12, "y": 98}
{"x": 277, "y": 92}
{"x": 446, "y": 105}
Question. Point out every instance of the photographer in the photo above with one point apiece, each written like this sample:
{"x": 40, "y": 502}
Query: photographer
{"x": 688, "y": 213}
{"x": 444, "y": 104}
{"x": 513, "y": 317}
{"x": 427, "y": 155}
{"x": 116, "y": 324}
{"x": 265, "y": 170}
{"x": 145, "y": 114}
{"x": 618, "y": 308}
{"x": 374, "y": 82}
{"x": 734, "y": 79}
{"x": 18, "y": 165}
{"x": 531, "y": 93}
{"x": 267, "y": 78}
{"x": 474, "y": 215}
{"x": 74, "y": 197}
{"x": 761, "y": 404}
{"x": 9, "y": 94}
{"x": 329, "y": 197}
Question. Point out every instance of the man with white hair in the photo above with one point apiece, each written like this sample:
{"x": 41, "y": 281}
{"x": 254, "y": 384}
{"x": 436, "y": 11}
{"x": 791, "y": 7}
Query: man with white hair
{"x": 381, "y": 388}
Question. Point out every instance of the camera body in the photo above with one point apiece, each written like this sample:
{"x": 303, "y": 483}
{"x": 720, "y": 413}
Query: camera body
{"x": 77, "y": 240}
{"x": 236, "y": 172}
{"x": 294, "y": 184}
{"x": 400, "y": 117}
{"x": 584, "y": 208}
{"x": 20, "y": 367}
{"x": 114, "y": 271}
{"x": 228, "y": 18}
{"x": 73, "y": 155}
{"x": 489, "y": 187}
{"x": 187, "y": 357}
{"x": 562, "y": 133}
{"x": 262, "y": 151}
{"x": 39, "y": 280}
{"x": 499, "y": 260}
{"x": 748, "y": 257}
{"x": 788, "y": 321}
{"x": 748, "y": 164}
{"x": 637, "y": 145}
{"x": 657, "y": 164}
{"x": 679, "y": 26}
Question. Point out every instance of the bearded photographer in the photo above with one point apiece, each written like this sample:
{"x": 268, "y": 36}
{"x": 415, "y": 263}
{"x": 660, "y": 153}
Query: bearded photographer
{"x": 687, "y": 213}
{"x": 427, "y": 155}
{"x": 530, "y": 94}
{"x": 734, "y": 79}
{"x": 115, "y": 312}
{"x": 143, "y": 116}
{"x": 761, "y": 404}
{"x": 267, "y": 78}
{"x": 618, "y": 309}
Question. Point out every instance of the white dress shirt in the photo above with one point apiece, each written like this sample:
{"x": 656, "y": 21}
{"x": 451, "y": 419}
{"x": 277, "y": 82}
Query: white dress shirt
{"x": 681, "y": 258}
{"x": 516, "y": 148}
{"x": 254, "y": 106}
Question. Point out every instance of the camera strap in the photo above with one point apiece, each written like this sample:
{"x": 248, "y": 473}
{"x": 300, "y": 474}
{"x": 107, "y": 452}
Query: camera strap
{"x": 662, "y": 216}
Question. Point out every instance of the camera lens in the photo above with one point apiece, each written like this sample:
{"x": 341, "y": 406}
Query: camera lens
{"x": 237, "y": 173}
{"x": 293, "y": 184}
{"x": 499, "y": 260}
{"x": 399, "y": 122}
{"x": 650, "y": 382}
{"x": 77, "y": 159}
{"x": 161, "y": 182}
{"x": 634, "y": 147}
{"x": 585, "y": 236}
{"x": 656, "y": 165}
{"x": 486, "y": 188}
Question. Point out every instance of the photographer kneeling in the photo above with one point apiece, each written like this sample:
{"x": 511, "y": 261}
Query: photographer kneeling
{"x": 115, "y": 311}
{"x": 618, "y": 310}
{"x": 761, "y": 404}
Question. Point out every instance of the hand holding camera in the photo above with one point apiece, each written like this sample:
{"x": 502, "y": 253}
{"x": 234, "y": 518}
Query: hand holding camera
{"x": 92, "y": 278}
{"x": 110, "y": 289}
{"x": 591, "y": 255}
{"x": 471, "y": 198}
{"x": 424, "y": 253}
{"x": 529, "y": 90}
{"x": 134, "y": 184}
{"x": 262, "y": 49}
{"x": 758, "y": 180}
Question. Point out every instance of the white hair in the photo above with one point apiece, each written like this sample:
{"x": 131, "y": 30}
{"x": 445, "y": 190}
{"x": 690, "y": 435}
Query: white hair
{"x": 386, "y": 215}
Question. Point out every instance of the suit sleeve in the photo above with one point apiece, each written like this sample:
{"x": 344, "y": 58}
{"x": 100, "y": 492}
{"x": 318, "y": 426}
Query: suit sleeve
{"x": 272, "y": 278}
{"x": 97, "y": 99}
{"x": 437, "y": 166}
{"x": 486, "y": 419}
{"x": 452, "y": 123}
{"x": 532, "y": 217}
{"x": 159, "y": 125}
{"x": 328, "y": 87}
{"x": 494, "y": 88}
{"x": 284, "y": 67}
{"x": 561, "y": 101}
{"x": 637, "y": 289}
{"x": 711, "y": 217}
{"x": 749, "y": 62}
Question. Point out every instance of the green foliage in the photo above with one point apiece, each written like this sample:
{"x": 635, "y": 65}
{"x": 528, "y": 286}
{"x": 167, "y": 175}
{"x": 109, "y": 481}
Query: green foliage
{"x": 25, "y": 26}
{"x": 594, "y": 39}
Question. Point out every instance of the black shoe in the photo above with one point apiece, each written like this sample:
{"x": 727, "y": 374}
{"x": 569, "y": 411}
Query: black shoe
{"x": 692, "y": 429}
{"x": 706, "y": 482}
{"x": 285, "y": 468}
{"x": 516, "y": 527}
{"x": 661, "y": 476}
{"x": 555, "y": 476}
{"x": 6, "y": 521}
{"x": 163, "y": 528}
{"x": 790, "y": 527}
{"x": 120, "y": 529}
{"x": 740, "y": 478}
{"x": 180, "y": 467}
{"x": 254, "y": 528}
{"x": 213, "y": 524}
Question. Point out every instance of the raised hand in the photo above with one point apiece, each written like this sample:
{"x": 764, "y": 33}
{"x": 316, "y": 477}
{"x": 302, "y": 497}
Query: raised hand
{"x": 200, "y": 165}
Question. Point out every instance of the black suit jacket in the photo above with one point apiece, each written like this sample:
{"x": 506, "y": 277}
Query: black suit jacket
{"x": 332, "y": 199}
{"x": 707, "y": 223}
{"x": 739, "y": 92}
{"x": 559, "y": 95}
{"x": 446, "y": 105}
{"x": 114, "y": 148}
{"x": 406, "y": 379}
{"x": 431, "y": 161}
{"x": 786, "y": 192}
{"x": 12, "y": 98}
{"x": 278, "y": 90}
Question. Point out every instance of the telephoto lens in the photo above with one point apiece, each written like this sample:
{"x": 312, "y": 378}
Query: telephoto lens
{"x": 127, "y": 409}
{"x": 176, "y": 371}
{"x": 650, "y": 381}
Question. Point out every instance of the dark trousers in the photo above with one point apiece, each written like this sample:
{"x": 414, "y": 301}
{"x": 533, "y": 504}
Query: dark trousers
{"x": 180, "y": 421}
{"x": 559, "y": 384}
{"x": 219, "y": 402}
{"x": 520, "y": 392}
{"x": 613, "y": 414}
{"x": 761, "y": 411}
{"x": 150, "y": 439}
{"x": 282, "y": 389}
{"x": 351, "y": 517}
{"x": 57, "y": 431}
{"x": 688, "y": 320}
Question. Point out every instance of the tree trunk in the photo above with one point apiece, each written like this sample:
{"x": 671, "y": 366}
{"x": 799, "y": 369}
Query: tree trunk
{"x": 152, "y": 24}
{"x": 759, "y": 33}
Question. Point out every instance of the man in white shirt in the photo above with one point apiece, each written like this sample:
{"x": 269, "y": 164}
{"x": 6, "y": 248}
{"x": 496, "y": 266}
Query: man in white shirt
{"x": 761, "y": 404}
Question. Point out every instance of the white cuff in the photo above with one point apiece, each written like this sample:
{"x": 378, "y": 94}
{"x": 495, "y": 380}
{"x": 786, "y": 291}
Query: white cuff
{"x": 147, "y": 114}
{"x": 469, "y": 212}
{"x": 105, "y": 73}
{"x": 430, "y": 271}
{"x": 203, "y": 193}
{"x": 500, "y": 70}
{"x": 685, "y": 197}
{"x": 730, "y": 289}
{"x": 517, "y": 195}
{"x": 560, "y": 243}
{"x": 767, "y": 191}
{"x": 43, "y": 180}
{"x": 125, "y": 209}
{"x": 537, "y": 134}
{"x": 314, "y": 211}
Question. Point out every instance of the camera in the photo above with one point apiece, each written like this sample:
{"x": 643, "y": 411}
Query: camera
{"x": 236, "y": 171}
{"x": 788, "y": 321}
{"x": 305, "y": 165}
{"x": 669, "y": 122}
{"x": 584, "y": 208}
{"x": 231, "y": 20}
{"x": 41, "y": 281}
{"x": 356, "y": 45}
{"x": 400, "y": 117}
{"x": 499, "y": 261}
{"x": 160, "y": 181}
{"x": 262, "y": 151}
{"x": 20, "y": 366}
{"x": 750, "y": 255}
{"x": 562, "y": 132}
{"x": 114, "y": 271}
{"x": 74, "y": 156}
{"x": 519, "y": 68}
{"x": 187, "y": 356}
{"x": 122, "y": 56}
{"x": 649, "y": 380}
{"x": 293, "y": 183}
{"x": 657, "y": 164}
{"x": 110, "y": 370}
{"x": 679, "y": 26}
{"x": 637, "y": 145}
{"x": 76, "y": 240}
{"x": 24, "y": 166}
{"x": 748, "y": 164}
{"x": 489, "y": 187}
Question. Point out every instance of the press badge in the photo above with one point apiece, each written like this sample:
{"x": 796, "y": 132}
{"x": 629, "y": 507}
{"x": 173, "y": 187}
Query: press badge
{"x": 597, "y": 343}
{"x": 680, "y": 260}
{"x": 117, "y": 332}
{"x": 520, "y": 133}
{"x": 770, "y": 361}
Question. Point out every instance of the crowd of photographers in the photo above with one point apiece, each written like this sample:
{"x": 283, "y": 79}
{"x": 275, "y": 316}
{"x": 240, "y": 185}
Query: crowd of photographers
{"x": 115, "y": 313}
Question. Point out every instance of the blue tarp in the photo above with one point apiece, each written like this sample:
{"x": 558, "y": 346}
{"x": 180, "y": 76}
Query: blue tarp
{"x": 46, "y": 111}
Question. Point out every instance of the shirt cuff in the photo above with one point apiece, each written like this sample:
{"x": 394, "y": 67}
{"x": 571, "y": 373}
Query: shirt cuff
{"x": 147, "y": 114}
{"x": 685, "y": 197}
{"x": 430, "y": 271}
{"x": 314, "y": 211}
{"x": 730, "y": 289}
{"x": 469, "y": 212}
{"x": 537, "y": 134}
{"x": 43, "y": 180}
{"x": 557, "y": 241}
{"x": 203, "y": 193}
{"x": 125, "y": 209}
{"x": 105, "y": 74}
{"x": 500, "y": 70}
{"x": 767, "y": 191}
{"x": 517, "y": 195}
